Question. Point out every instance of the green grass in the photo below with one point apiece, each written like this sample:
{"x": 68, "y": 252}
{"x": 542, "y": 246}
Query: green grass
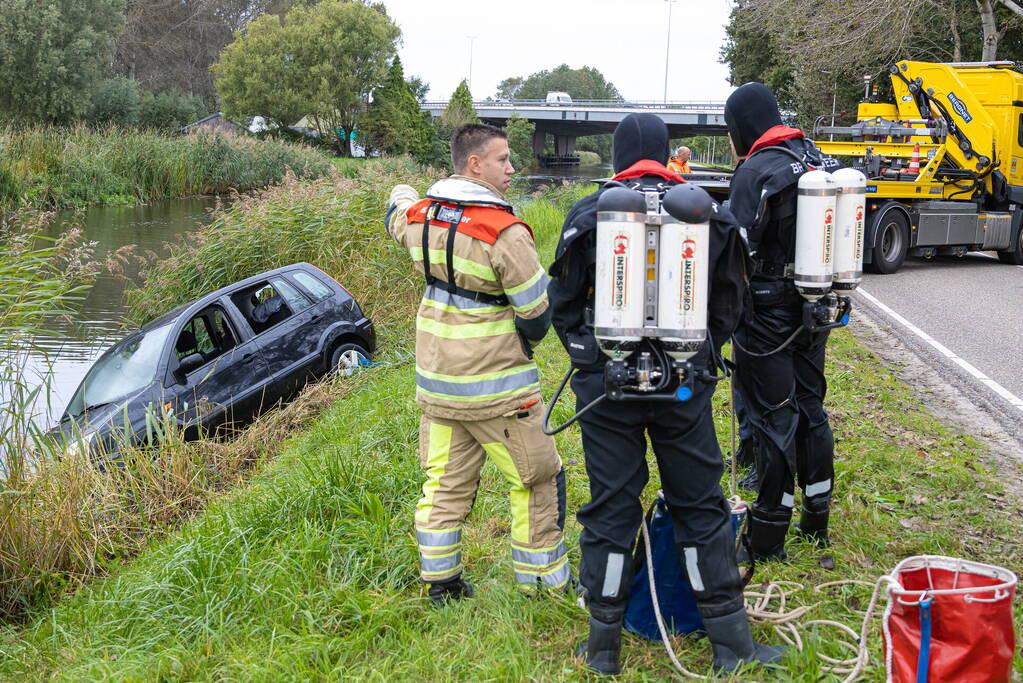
{"x": 53, "y": 167}
{"x": 309, "y": 571}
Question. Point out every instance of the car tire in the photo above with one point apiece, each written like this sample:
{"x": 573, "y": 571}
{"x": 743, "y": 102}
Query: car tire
{"x": 1014, "y": 256}
{"x": 891, "y": 242}
{"x": 346, "y": 358}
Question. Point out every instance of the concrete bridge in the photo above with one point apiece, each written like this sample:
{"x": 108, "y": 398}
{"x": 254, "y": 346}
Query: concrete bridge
{"x": 567, "y": 121}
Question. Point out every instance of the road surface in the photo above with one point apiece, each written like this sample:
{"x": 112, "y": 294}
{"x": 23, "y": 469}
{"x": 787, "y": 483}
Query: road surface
{"x": 965, "y": 316}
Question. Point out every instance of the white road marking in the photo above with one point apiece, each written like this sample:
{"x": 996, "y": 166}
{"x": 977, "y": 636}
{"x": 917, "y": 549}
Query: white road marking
{"x": 994, "y": 386}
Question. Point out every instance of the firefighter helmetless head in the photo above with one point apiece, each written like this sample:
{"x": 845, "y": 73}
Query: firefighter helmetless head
{"x": 749, "y": 112}
{"x": 481, "y": 151}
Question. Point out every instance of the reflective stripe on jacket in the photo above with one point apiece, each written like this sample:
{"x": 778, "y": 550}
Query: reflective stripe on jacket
{"x": 470, "y": 360}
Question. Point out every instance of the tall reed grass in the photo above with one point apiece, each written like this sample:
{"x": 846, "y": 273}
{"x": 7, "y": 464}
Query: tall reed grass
{"x": 64, "y": 515}
{"x": 54, "y": 167}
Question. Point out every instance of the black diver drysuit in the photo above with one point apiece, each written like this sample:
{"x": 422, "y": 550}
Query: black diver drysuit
{"x": 682, "y": 433}
{"x": 784, "y": 391}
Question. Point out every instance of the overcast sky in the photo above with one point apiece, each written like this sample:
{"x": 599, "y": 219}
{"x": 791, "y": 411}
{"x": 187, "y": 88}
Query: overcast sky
{"x": 623, "y": 39}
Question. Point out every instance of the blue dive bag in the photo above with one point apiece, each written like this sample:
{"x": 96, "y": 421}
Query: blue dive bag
{"x": 674, "y": 593}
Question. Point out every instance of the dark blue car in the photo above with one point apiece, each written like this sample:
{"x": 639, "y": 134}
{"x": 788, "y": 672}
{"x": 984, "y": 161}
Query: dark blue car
{"x": 221, "y": 359}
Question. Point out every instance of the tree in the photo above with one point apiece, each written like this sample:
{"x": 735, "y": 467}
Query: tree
{"x": 394, "y": 123}
{"x": 170, "y": 44}
{"x": 460, "y": 110}
{"x": 810, "y": 62}
{"x": 509, "y": 88}
{"x": 115, "y": 100}
{"x": 259, "y": 75}
{"x": 582, "y": 84}
{"x": 322, "y": 62}
{"x": 520, "y": 141}
{"x": 51, "y": 53}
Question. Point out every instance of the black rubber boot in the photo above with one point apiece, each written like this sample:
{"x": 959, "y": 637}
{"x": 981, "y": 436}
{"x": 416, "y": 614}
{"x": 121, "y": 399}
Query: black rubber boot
{"x": 455, "y": 589}
{"x": 813, "y": 525}
{"x": 746, "y": 454}
{"x": 733, "y": 645}
{"x": 767, "y": 532}
{"x": 604, "y": 644}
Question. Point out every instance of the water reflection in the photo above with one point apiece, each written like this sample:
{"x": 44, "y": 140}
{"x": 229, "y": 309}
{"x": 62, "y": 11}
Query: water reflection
{"x": 75, "y": 341}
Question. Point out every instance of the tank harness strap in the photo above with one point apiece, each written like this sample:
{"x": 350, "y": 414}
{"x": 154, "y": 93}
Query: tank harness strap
{"x": 453, "y": 218}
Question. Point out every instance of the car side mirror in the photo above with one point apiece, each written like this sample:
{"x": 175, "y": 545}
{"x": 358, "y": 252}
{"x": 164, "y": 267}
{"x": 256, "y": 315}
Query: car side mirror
{"x": 192, "y": 361}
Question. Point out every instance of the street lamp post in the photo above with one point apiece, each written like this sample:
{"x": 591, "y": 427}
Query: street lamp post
{"x": 834, "y": 101}
{"x": 471, "y": 39}
{"x": 667, "y": 50}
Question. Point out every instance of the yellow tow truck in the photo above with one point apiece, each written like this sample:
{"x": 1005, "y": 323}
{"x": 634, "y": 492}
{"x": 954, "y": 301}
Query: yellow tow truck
{"x": 944, "y": 163}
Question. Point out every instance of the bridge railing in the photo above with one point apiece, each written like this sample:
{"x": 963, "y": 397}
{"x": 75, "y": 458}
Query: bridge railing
{"x": 607, "y": 104}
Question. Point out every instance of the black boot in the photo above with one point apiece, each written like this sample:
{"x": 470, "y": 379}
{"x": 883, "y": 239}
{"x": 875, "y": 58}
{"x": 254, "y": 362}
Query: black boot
{"x": 604, "y": 644}
{"x": 455, "y": 589}
{"x": 734, "y": 646}
{"x": 767, "y": 532}
{"x": 813, "y": 524}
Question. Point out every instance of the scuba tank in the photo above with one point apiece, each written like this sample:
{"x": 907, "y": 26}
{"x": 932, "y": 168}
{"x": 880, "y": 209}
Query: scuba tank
{"x": 815, "y": 232}
{"x": 651, "y": 290}
{"x": 651, "y": 283}
{"x": 849, "y": 211}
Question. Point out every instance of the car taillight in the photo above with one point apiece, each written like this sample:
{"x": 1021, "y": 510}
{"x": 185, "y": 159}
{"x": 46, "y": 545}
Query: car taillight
{"x": 345, "y": 289}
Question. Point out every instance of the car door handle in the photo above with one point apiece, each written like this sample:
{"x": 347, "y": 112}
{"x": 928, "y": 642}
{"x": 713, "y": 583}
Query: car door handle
{"x": 248, "y": 358}
{"x": 315, "y": 317}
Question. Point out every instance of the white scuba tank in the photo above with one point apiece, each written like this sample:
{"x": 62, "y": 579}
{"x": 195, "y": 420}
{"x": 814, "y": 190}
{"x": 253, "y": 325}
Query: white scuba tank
{"x": 683, "y": 262}
{"x": 815, "y": 230}
{"x": 849, "y": 211}
{"x": 621, "y": 265}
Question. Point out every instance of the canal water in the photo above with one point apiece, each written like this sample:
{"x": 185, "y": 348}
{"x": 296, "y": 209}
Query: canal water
{"x": 76, "y": 341}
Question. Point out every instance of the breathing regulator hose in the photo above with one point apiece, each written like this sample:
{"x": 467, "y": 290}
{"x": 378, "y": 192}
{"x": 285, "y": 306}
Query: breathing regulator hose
{"x": 554, "y": 400}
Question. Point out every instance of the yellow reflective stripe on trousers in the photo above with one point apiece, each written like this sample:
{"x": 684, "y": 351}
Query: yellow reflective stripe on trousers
{"x": 539, "y": 558}
{"x": 436, "y": 463}
{"x": 519, "y": 493}
{"x": 494, "y": 328}
{"x": 553, "y": 578}
{"x": 439, "y": 256}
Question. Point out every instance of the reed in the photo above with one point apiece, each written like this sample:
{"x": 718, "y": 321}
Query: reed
{"x": 54, "y": 167}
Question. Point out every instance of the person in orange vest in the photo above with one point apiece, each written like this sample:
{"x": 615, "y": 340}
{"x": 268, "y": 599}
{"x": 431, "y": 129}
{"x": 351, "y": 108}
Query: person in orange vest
{"x": 679, "y": 162}
{"x": 484, "y": 308}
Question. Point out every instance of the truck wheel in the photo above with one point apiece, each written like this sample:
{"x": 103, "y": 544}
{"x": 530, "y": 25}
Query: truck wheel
{"x": 347, "y": 358}
{"x": 890, "y": 243}
{"x": 1014, "y": 256}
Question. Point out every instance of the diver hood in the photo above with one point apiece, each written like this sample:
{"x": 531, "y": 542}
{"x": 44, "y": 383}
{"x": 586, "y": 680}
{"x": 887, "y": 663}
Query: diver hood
{"x": 749, "y": 112}
{"x": 638, "y": 137}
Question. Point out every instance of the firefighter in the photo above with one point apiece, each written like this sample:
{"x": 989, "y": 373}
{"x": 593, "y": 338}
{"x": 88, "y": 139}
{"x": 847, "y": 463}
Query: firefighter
{"x": 783, "y": 390}
{"x": 484, "y": 308}
{"x": 679, "y": 162}
{"x": 614, "y": 434}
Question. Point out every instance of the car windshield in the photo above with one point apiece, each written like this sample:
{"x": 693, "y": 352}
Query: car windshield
{"x": 121, "y": 371}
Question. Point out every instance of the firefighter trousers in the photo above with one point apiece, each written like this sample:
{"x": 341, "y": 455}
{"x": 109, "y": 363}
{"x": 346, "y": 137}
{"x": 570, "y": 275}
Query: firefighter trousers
{"x": 784, "y": 400}
{"x": 690, "y": 464}
{"x": 453, "y": 453}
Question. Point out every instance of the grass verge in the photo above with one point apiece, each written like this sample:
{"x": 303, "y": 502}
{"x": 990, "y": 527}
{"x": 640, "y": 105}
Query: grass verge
{"x": 53, "y": 167}
{"x": 309, "y": 571}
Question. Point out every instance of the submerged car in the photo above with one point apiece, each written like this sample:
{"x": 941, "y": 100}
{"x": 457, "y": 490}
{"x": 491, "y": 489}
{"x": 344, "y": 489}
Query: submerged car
{"x": 220, "y": 360}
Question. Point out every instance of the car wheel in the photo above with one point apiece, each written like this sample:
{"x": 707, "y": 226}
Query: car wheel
{"x": 347, "y": 358}
{"x": 891, "y": 242}
{"x": 1014, "y": 255}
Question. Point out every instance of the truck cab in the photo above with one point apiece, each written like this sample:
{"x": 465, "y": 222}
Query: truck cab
{"x": 944, "y": 162}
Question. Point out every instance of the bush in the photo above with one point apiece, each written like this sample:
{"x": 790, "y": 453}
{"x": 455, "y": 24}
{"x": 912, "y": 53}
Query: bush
{"x": 115, "y": 100}
{"x": 520, "y": 141}
{"x": 170, "y": 110}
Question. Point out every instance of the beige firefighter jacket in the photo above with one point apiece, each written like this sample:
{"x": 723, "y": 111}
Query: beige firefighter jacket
{"x": 471, "y": 363}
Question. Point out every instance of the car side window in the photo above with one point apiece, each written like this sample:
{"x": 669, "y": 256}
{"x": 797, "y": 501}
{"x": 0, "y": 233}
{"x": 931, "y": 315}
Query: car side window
{"x": 262, "y": 305}
{"x": 209, "y": 334}
{"x": 313, "y": 285}
{"x": 296, "y": 301}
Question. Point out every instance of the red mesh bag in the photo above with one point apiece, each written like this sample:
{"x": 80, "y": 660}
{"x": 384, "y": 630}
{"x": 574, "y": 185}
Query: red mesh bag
{"x": 949, "y": 620}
